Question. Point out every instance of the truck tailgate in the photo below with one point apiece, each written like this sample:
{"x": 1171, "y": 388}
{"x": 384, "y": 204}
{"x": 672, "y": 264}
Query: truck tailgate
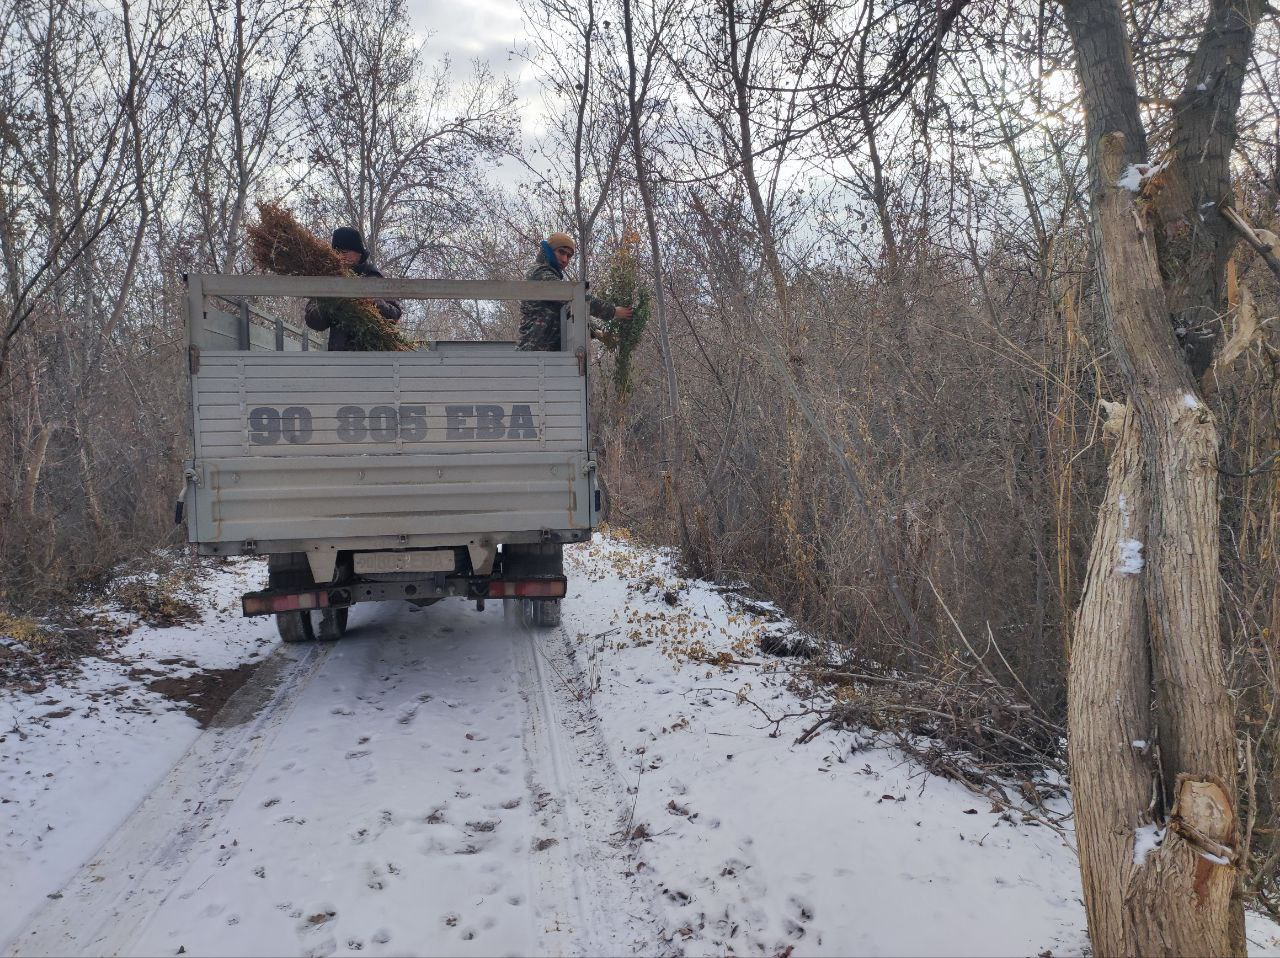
{"x": 469, "y": 439}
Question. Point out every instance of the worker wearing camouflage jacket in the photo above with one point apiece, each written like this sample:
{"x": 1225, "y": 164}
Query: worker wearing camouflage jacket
{"x": 540, "y": 319}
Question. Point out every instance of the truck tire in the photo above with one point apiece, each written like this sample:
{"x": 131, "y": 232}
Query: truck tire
{"x": 290, "y": 570}
{"x": 295, "y": 627}
{"x": 325, "y": 625}
{"x": 544, "y": 613}
{"x": 332, "y": 624}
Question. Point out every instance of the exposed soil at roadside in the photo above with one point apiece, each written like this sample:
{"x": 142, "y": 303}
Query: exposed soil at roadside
{"x": 202, "y": 693}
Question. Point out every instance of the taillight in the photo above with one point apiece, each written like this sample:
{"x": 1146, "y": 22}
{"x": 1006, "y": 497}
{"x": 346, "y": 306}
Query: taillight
{"x": 527, "y": 589}
{"x": 267, "y": 604}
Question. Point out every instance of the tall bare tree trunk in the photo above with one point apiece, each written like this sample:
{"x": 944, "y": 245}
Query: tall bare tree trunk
{"x": 637, "y": 89}
{"x": 1178, "y": 898}
{"x": 1109, "y": 706}
{"x": 1195, "y": 241}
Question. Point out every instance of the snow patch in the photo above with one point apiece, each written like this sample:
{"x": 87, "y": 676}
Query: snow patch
{"x": 1145, "y": 839}
{"x": 450, "y": 828}
{"x": 1139, "y": 743}
{"x": 1190, "y": 401}
{"x": 1136, "y": 174}
{"x": 1130, "y": 557}
{"x": 1132, "y": 179}
{"x": 104, "y": 733}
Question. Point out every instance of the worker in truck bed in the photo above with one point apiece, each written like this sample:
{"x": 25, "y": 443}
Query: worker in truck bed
{"x": 540, "y": 319}
{"x": 349, "y": 245}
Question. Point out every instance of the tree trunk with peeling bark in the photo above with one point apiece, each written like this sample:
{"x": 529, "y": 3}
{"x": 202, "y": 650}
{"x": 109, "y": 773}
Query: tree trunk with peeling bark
{"x": 1152, "y": 595}
{"x": 1194, "y": 241}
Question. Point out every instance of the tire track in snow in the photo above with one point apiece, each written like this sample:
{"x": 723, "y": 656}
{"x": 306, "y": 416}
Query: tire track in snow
{"x": 102, "y": 908}
{"x": 589, "y": 903}
{"x": 370, "y": 794}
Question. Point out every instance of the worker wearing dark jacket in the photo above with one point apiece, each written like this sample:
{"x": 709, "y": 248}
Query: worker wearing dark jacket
{"x": 349, "y": 245}
{"x": 540, "y": 319}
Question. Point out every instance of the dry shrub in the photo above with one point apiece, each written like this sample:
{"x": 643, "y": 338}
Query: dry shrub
{"x": 961, "y": 425}
{"x": 157, "y": 602}
{"x": 970, "y": 410}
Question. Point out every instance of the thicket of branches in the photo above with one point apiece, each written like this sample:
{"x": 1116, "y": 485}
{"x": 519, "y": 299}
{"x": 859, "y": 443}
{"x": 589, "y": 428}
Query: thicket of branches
{"x": 877, "y": 382}
{"x": 136, "y": 139}
{"x": 873, "y": 381}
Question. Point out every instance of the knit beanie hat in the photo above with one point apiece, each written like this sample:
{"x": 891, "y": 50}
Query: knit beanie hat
{"x": 344, "y": 237}
{"x": 557, "y": 240}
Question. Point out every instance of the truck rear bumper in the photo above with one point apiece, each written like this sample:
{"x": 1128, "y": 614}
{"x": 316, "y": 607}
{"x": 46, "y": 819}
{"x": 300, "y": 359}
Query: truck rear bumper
{"x": 271, "y": 601}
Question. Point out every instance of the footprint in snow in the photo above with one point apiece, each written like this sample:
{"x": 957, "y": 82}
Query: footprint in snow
{"x": 793, "y": 928}
{"x": 801, "y": 914}
{"x": 321, "y": 944}
{"x": 407, "y": 715}
{"x": 322, "y": 949}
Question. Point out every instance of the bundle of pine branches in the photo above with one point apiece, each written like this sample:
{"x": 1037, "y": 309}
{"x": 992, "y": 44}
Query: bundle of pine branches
{"x": 278, "y": 243}
{"x": 624, "y": 286}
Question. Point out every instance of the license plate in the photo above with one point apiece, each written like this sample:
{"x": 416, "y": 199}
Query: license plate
{"x": 431, "y": 560}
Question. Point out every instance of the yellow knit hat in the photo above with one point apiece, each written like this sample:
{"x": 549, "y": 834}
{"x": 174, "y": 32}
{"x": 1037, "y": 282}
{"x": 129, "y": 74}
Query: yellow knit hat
{"x": 557, "y": 240}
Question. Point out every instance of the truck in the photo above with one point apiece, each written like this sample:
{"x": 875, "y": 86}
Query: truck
{"x": 456, "y": 469}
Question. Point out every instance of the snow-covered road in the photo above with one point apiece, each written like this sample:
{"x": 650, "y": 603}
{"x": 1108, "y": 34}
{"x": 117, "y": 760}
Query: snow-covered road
{"x": 418, "y": 787}
{"x": 437, "y": 784}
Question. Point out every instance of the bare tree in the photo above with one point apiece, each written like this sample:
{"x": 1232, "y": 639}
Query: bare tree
{"x": 1179, "y": 897}
{"x": 571, "y": 44}
{"x": 240, "y": 105}
{"x": 641, "y": 67}
{"x": 389, "y": 153}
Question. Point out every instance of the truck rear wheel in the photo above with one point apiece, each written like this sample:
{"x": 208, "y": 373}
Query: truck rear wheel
{"x": 309, "y": 625}
{"x": 543, "y": 613}
{"x": 295, "y": 626}
{"x": 290, "y": 570}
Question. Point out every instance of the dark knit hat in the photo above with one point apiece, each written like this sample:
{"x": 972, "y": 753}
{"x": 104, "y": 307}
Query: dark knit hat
{"x": 345, "y": 237}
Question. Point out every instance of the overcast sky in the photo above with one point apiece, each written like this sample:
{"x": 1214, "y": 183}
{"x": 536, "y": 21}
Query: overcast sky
{"x": 487, "y": 30}
{"x": 468, "y": 30}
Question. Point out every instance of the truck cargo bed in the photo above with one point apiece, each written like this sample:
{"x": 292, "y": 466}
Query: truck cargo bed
{"x": 296, "y": 449}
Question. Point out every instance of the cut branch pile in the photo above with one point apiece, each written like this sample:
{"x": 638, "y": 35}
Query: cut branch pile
{"x": 278, "y": 243}
{"x": 962, "y": 724}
